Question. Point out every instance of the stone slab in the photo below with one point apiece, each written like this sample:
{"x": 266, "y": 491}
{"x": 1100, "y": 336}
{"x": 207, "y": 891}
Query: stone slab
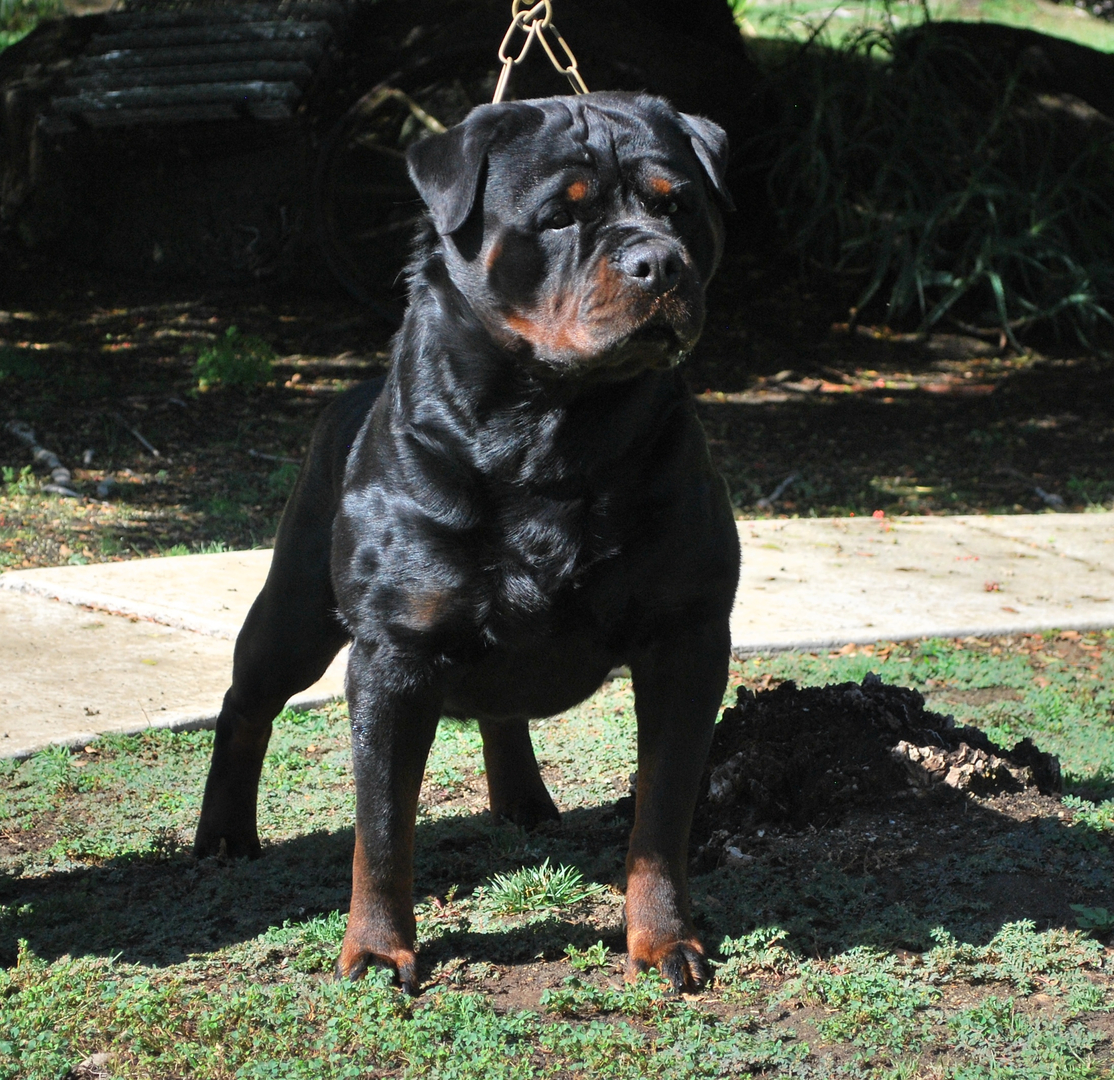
{"x": 817, "y": 583}
{"x": 122, "y": 646}
{"x": 69, "y": 673}
{"x": 207, "y": 594}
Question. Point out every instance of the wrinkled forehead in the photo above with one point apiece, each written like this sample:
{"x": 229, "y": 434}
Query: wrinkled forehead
{"x": 613, "y": 143}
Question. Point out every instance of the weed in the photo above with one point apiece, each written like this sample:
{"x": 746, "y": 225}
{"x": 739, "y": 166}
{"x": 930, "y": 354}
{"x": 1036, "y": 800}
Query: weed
{"x": 313, "y": 943}
{"x": 110, "y": 545}
{"x": 54, "y": 768}
{"x": 212, "y": 547}
{"x": 539, "y": 888}
{"x": 594, "y": 956}
{"x": 1098, "y": 817}
{"x": 235, "y": 360}
{"x": 1098, "y": 919}
{"x": 760, "y": 950}
{"x": 875, "y": 1003}
{"x": 1018, "y": 955}
{"x": 19, "y": 484}
{"x": 646, "y": 996}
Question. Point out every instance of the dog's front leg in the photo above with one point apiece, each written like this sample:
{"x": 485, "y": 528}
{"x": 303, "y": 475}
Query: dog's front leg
{"x": 394, "y": 718}
{"x": 678, "y": 687}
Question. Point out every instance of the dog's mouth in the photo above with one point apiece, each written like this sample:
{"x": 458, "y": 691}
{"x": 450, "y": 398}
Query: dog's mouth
{"x": 658, "y": 342}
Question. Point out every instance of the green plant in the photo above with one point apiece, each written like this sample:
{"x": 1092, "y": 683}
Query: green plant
{"x": 1098, "y": 817}
{"x": 760, "y": 950}
{"x": 21, "y": 483}
{"x": 873, "y": 1001}
{"x": 212, "y": 547}
{"x": 235, "y": 360}
{"x": 538, "y": 888}
{"x": 19, "y": 17}
{"x": 585, "y": 959}
{"x": 54, "y": 766}
{"x": 942, "y": 188}
{"x": 1098, "y": 919}
{"x": 646, "y": 996}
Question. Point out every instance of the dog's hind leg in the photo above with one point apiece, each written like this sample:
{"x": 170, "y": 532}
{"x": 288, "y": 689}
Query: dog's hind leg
{"x": 516, "y": 791}
{"x": 287, "y": 642}
{"x": 289, "y": 638}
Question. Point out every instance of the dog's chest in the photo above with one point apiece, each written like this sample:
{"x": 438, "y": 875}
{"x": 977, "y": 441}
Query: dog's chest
{"x": 524, "y": 528}
{"x": 514, "y": 561}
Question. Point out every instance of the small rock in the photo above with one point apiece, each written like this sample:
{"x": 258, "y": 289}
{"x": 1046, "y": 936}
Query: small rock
{"x": 92, "y": 1068}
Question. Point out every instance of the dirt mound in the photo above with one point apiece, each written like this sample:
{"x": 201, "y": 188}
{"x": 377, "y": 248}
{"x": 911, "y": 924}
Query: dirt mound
{"x": 807, "y": 756}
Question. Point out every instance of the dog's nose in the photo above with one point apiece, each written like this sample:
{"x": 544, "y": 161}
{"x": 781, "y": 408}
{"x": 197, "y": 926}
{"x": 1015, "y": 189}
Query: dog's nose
{"x": 654, "y": 265}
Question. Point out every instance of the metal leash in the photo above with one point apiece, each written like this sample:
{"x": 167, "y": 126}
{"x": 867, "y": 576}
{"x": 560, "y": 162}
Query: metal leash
{"x": 535, "y": 22}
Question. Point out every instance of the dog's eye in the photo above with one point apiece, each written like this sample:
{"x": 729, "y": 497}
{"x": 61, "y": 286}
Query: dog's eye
{"x": 559, "y": 219}
{"x": 670, "y": 208}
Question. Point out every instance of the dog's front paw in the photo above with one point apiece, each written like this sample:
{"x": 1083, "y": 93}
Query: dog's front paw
{"x": 682, "y": 962}
{"x": 356, "y": 959}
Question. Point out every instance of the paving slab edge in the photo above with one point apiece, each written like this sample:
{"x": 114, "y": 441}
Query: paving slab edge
{"x": 115, "y": 605}
{"x": 180, "y": 722}
{"x": 740, "y": 650}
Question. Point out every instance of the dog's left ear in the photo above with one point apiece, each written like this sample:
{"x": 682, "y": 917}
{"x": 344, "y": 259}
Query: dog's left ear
{"x": 446, "y": 169}
{"x": 709, "y": 142}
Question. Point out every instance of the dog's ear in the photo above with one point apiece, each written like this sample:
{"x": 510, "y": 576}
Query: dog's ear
{"x": 446, "y": 169}
{"x": 709, "y": 143}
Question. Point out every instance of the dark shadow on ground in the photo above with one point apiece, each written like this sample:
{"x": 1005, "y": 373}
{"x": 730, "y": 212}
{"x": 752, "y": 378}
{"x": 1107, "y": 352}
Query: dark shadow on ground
{"x": 882, "y": 877}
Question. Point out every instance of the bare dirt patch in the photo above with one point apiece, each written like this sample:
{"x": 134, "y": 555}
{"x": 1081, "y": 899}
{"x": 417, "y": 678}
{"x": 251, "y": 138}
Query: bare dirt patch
{"x": 807, "y": 756}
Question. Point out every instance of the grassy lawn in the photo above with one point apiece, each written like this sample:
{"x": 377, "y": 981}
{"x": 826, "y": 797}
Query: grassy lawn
{"x": 799, "y": 18}
{"x": 958, "y": 938}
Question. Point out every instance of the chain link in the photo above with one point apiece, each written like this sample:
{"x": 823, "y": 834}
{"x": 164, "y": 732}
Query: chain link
{"x": 536, "y": 22}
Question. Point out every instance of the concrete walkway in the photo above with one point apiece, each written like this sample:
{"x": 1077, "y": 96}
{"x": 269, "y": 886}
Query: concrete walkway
{"x": 122, "y": 646}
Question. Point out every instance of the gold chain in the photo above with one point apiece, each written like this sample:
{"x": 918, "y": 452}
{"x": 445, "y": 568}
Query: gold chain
{"x": 535, "y": 22}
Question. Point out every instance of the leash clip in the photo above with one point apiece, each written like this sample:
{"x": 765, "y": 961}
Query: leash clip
{"x": 536, "y": 22}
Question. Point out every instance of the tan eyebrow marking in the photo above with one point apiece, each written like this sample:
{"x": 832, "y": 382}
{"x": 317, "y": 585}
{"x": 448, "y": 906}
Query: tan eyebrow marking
{"x": 577, "y": 190}
{"x": 660, "y": 186}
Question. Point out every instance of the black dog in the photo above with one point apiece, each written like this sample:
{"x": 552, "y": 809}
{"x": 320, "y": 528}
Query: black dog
{"x": 526, "y": 504}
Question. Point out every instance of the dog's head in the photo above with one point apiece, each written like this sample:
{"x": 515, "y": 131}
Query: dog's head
{"x": 581, "y": 230}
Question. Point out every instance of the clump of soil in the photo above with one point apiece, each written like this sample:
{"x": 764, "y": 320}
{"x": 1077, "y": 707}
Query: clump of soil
{"x": 805, "y": 757}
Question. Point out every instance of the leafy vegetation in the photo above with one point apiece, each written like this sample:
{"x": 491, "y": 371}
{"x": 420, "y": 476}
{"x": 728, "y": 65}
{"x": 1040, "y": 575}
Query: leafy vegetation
{"x": 942, "y": 188}
{"x": 235, "y": 360}
{"x": 19, "y": 17}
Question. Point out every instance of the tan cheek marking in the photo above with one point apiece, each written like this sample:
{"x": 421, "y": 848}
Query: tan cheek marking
{"x": 660, "y": 186}
{"x": 577, "y": 190}
{"x": 493, "y": 255}
{"x": 552, "y": 332}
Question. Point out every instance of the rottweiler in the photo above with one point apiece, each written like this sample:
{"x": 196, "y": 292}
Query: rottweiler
{"x": 525, "y": 503}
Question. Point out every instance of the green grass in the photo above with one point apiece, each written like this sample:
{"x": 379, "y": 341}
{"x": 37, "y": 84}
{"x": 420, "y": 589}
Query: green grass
{"x": 115, "y": 940}
{"x": 538, "y": 889}
{"x": 798, "y": 19}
